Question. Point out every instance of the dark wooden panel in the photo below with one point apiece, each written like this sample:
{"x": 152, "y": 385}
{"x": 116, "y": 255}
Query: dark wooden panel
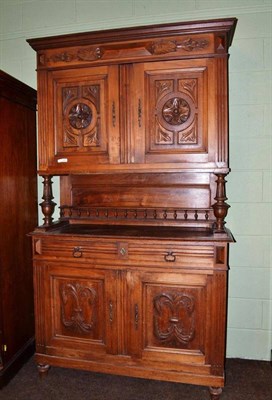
{"x": 18, "y": 214}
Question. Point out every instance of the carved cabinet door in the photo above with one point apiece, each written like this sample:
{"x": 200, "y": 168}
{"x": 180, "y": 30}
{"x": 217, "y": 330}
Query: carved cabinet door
{"x": 174, "y": 111}
{"x": 171, "y": 318}
{"x": 82, "y": 119}
{"x": 76, "y": 310}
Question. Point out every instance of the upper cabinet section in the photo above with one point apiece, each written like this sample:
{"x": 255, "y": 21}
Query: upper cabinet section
{"x": 81, "y": 127}
{"x": 137, "y": 99}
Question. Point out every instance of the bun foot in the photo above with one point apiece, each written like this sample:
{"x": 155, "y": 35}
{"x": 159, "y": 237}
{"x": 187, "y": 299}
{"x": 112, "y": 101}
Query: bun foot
{"x": 43, "y": 369}
{"x": 215, "y": 393}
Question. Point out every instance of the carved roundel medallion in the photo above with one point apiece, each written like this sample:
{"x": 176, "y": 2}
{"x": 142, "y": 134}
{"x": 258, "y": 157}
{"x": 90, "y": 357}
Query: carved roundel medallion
{"x": 80, "y": 116}
{"x": 176, "y": 111}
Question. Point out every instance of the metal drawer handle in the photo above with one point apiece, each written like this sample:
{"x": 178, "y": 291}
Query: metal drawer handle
{"x": 170, "y": 257}
{"x": 111, "y": 311}
{"x": 77, "y": 252}
{"x": 136, "y": 315}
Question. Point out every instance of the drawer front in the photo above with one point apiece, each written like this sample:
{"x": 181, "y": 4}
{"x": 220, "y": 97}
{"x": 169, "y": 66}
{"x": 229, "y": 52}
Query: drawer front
{"x": 130, "y": 252}
{"x": 172, "y": 254}
{"x": 74, "y": 248}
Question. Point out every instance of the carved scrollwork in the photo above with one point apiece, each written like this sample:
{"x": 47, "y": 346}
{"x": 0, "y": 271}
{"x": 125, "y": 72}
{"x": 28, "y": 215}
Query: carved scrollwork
{"x": 188, "y": 136}
{"x": 69, "y": 94}
{"x": 189, "y": 86}
{"x": 176, "y": 111}
{"x": 174, "y": 319}
{"x": 164, "y": 87}
{"x": 77, "y": 307}
{"x": 91, "y": 138}
{"x": 164, "y": 137}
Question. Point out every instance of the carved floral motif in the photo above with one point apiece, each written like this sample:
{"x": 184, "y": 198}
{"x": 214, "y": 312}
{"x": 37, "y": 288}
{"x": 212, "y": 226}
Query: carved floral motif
{"x": 174, "y": 318}
{"x": 78, "y": 307}
{"x": 80, "y": 116}
{"x": 176, "y": 111}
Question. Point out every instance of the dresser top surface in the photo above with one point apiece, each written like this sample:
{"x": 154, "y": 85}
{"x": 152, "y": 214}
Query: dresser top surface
{"x": 137, "y": 232}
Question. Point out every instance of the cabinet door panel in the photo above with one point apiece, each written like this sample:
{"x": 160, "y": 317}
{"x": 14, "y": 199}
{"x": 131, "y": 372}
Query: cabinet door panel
{"x": 172, "y": 317}
{"x": 174, "y": 101}
{"x": 79, "y": 308}
{"x": 85, "y": 122}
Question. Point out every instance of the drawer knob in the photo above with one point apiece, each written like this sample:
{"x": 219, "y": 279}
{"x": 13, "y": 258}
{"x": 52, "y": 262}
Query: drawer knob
{"x": 77, "y": 252}
{"x": 170, "y": 257}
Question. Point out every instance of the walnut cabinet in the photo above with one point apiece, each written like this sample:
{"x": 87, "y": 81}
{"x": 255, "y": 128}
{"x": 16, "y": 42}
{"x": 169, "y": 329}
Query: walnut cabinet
{"x": 132, "y": 278}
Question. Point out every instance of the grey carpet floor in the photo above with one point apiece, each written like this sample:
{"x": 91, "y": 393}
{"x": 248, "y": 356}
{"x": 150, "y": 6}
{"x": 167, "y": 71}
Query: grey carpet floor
{"x": 245, "y": 380}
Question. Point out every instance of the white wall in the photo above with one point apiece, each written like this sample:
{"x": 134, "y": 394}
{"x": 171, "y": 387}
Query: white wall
{"x": 249, "y": 186}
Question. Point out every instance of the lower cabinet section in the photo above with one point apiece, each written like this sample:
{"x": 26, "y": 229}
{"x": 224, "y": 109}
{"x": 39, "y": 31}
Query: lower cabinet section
{"x": 139, "y": 320}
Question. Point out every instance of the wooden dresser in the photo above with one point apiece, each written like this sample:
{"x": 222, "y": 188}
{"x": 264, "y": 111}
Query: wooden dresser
{"x": 132, "y": 278}
{"x": 18, "y": 215}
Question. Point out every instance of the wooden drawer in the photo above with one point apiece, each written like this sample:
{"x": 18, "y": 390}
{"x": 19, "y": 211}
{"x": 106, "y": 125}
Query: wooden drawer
{"x": 132, "y": 252}
{"x": 171, "y": 254}
{"x": 73, "y": 248}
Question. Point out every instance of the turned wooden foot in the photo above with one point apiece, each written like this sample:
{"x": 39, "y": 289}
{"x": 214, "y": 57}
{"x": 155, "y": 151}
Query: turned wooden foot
{"x": 43, "y": 370}
{"x": 215, "y": 393}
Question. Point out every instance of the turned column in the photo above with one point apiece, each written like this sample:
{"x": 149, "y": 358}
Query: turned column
{"x": 220, "y": 208}
{"x": 48, "y": 206}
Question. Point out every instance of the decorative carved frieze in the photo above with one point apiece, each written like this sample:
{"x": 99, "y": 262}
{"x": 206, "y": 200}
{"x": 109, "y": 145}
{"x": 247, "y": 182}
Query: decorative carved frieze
{"x": 170, "y": 46}
{"x": 86, "y": 54}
